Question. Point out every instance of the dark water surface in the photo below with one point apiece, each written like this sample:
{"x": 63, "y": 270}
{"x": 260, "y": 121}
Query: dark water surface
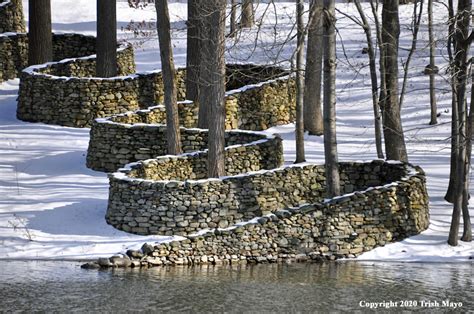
{"x": 347, "y": 286}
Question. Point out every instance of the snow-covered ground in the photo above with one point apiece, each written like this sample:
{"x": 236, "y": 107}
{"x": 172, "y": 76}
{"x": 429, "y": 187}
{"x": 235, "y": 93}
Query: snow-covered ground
{"x": 53, "y": 207}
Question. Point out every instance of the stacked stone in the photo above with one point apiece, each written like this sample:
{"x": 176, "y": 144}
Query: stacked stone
{"x": 157, "y": 197}
{"x": 342, "y": 227}
{"x": 14, "y": 51}
{"x": 46, "y": 95}
{"x": 11, "y": 17}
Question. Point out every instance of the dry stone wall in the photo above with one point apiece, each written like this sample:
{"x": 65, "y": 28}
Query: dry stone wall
{"x": 157, "y": 197}
{"x": 11, "y": 53}
{"x": 341, "y": 227}
{"x": 11, "y": 17}
{"x": 51, "y": 93}
{"x": 71, "y": 83}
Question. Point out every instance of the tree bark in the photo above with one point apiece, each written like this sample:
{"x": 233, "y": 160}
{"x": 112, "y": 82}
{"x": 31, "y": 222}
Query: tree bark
{"x": 329, "y": 99}
{"x": 461, "y": 52}
{"x": 433, "y": 106}
{"x": 40, "y": 37}
{"x": 193, "y": 50}
{"x": 467, "y": 227}
{"x": 233, "y": 18}
{"x": 167, "y": 65}
{"x": 392, "y": 125}
{"x": 313, "y": 119}
{"x": 106, "y": 65}
{"x": 300, "y": 156}
{"x": 373, "y": 80}
{"x": 213, "y": 77}
{"x": 449, "y": 197}
{"x": 247, "y": 18}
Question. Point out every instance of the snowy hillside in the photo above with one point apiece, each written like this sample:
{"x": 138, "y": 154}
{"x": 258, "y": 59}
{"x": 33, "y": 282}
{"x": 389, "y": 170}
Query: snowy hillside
{"x": 53, "y": 207}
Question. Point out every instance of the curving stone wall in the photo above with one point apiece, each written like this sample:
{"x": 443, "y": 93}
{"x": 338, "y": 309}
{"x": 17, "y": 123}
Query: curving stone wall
{"x": 256, "y": 107}
{"x": 53, "y": 92}
{"x": 158, "y": 196}
{"x": 342, "y": 227}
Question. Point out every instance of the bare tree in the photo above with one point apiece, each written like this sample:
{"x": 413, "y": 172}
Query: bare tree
{"x": 329, "y": 99}
{"x": 395, "y": 147}
{"x": 40, "y": 38}
{"x": 247, "y": 17}
{"x": 462, "y": 41}
{"x": 432, "y": 66}
{"x": 106, "y": 65}
{"x": 300, "y": 156}
{"x": 406, "y": 65}
{"x": 167, "y": 65}
{"x": 233, "y": 18}
{"x": 213, "y": 81}
{"x": 313, "y": 120}
{"x": 373, "y": 78}
{"x": 193, "y": 50}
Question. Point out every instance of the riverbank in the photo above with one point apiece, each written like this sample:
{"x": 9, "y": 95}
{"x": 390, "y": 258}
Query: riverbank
{"x": 53, "y": 207}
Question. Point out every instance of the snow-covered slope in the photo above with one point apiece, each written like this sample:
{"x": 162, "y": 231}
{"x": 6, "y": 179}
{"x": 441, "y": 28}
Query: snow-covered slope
{"x": 52, "y": 206}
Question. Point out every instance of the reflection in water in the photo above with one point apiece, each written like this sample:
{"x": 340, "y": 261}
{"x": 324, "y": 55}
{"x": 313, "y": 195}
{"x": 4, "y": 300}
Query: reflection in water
{"x": 61, "y": 286}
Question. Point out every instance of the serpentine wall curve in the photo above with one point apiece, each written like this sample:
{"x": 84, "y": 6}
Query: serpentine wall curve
{"x": 258, "y": 212}
{"x": 268, "y": 214}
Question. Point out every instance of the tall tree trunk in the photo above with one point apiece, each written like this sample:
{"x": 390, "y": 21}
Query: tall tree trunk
{"x": 392, "y": 125}
{"x": 193, "y": 50}
{"x": 233, "y": 18}
{"x": 406, "y": 66}
{"x": 329, "y": 99}
{"x": 40, "y": 37}
{"x": 167, "y": 65}
{"x": 433, "y": 106}
{"x": 213, "y": 77}
{"x": 461, "y": 52}
{"x": 467, "y": 227}
{"x": 203, "y": 81}
{"x": 247, "y": 18}
{"x": 299, "y": 83}
{"x": 313, "y": 119}
{"x": 106, "y": 65}
{"x": 374, "y": 4}
{"x": 449, "y": 197}
{"x": 373, "y": 80}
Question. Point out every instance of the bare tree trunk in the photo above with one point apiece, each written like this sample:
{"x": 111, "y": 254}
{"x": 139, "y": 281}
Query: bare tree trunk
{"x": 193, "y": 50}
{"x": 167, "y": 65}
{"x": 213, "y": 76}
{"x": 383, "y": 86}
{"x": 300, "y": 156}
{"x": 373, "y": 79}
{"x": 461, "y": 51}
{"x": 392, "y": 125}
{"x": 203, "y": 81}
{"x": 233, "y": 18}
{"x": 40, "y": 38}
{"x": 313, "y": 119}
{"x": 247, "y": 18}
{"x": 329, "y": 99}
{"x": 406, "y": 66}
{"x": 467, "y": 227}
{"x": 433, "y": 106}
{"x": 449, "y": 197}
{"x": 106, "y": 65}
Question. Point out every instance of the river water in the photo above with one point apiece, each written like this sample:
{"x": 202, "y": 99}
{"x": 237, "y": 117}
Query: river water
{"x": 346, "y": 286}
